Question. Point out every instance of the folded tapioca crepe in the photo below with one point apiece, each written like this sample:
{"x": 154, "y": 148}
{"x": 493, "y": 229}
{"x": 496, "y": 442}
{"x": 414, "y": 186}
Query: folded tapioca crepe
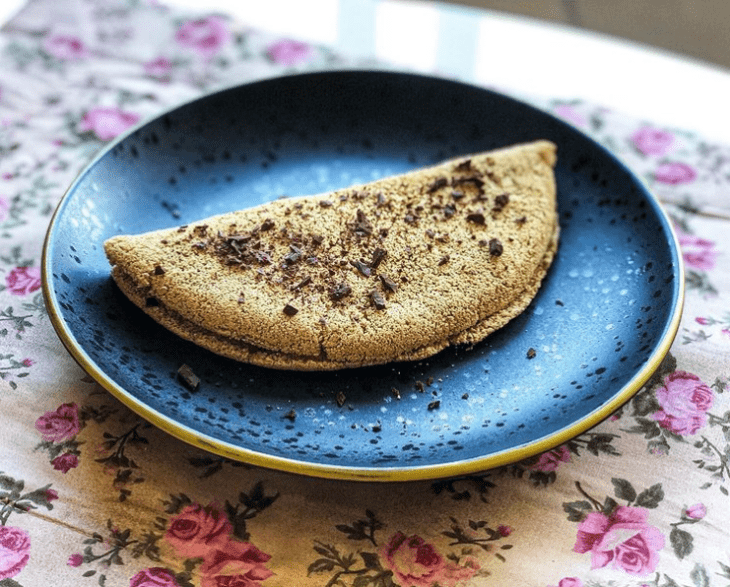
{"x": 393, "y": 270}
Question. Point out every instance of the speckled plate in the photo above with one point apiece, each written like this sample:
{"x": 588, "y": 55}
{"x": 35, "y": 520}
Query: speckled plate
{"x": 603, "y": 320}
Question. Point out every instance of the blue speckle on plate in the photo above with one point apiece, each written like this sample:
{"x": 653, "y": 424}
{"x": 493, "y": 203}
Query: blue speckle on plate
{"x": 600, "y": 324}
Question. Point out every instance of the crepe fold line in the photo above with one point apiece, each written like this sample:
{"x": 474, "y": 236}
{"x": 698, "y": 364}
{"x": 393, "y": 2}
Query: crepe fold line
{"x": 392, "y": 270}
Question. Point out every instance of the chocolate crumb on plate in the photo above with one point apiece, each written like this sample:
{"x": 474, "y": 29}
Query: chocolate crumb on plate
{"x": 434, "y": 405}
{"x": 291, "y": 415}
{"x": 189, "y": 379}
{"x": 531, "y": 353}
{"x": 340, "y": 398}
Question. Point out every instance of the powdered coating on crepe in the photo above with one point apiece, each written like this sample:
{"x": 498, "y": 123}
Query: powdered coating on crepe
{"x": 396, "y": 269}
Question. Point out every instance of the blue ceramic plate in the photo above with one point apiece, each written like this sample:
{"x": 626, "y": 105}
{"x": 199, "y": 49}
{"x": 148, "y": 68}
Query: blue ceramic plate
{"x": 603, "y": 320}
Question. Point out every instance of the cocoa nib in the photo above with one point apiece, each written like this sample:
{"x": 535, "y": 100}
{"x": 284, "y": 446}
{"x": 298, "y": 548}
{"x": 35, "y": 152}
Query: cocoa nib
{"x": 437, "y": 184}
{"x": 267, "y": 224}
{"x": 474, "y": 180}
{"x": 363, "y": 268}
{"x": 290, "y": 310}
{"x": 500, "y": 202}
{"x": 449, "y": 210}
{"x": 378, "y": 256}
{"x": 377, "y": 299}
{"x": 325, "y": 203}
{"x": 302, "y": 283}
{"x": 293, "y": 256}
{"x": 262, "y": 257}
{"x": 340, "y": 290}
{"x": 464, "y": 165}
{"x": 159, "y": 270}
{"x": 388, "y": 283}
{"x": 476, "y": 218}
{"x": 362, "y": 225}
{"x": 443, "y": 260}
{"x": 495, "y": 247}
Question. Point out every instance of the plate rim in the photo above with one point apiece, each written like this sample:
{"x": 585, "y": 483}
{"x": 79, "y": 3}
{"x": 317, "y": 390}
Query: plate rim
{"x": 226, "y": 449}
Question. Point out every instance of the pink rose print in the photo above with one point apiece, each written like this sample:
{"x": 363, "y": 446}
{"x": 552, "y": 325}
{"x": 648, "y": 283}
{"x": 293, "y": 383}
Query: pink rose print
{"x": 698, "y": 253}
{"x": 570, "y": 582}
{"x": 684, "y": 402}
{"x": 75, "y": 560}
{"x": 569, "y": 113}
{"x": 235, "y": 563}
{"x": 23, "y": 280}
{"x": 701, "y": 320}
{"x": 652, "y": 141}
{"x": 107, "y": 123}
{"x": 154, "y": 577}
{"x": 623, "y": 539}
{"x": 205, "y": 36}
{"x": 418, "y": 564}
{"x": 549, "y": 461}
{"x": 27, "y": 362}
{"x": 504, "y": 530}
{"x": 59, "y": 425}
{"x": 197, "y": 529}
{"x": 4, "y": 208}
{"x": 696, "y": 511}
{"x": 159, "y": 68}
{"x": 65, "y": 462}
{"x": 288, "y": 52}
{"x": 675, "y": 173}
{"x": 65, "y": 47}
{"x": 14, "y": 551}
{"x": 51, "y": 495}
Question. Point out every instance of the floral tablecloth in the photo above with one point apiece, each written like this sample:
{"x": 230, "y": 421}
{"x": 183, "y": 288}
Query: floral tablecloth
{"x": 90, "y": 494}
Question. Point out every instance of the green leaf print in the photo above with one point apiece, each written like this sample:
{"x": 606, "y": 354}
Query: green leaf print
{"x": 650, "y": 498}
{"x": 623, "y": 490}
